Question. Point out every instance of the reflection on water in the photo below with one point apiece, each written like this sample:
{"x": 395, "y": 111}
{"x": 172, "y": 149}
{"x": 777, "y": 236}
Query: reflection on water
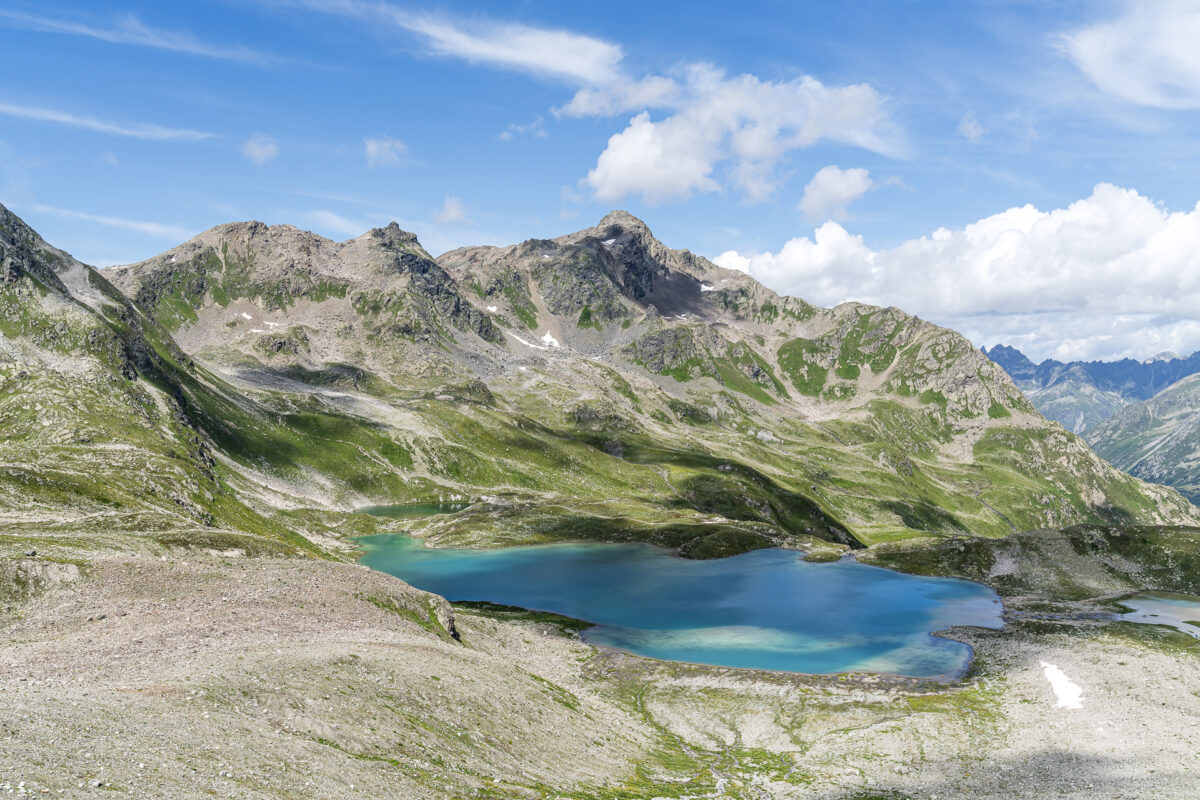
{"x": 1180, "y": 611}
{"x": 766, "y": 609}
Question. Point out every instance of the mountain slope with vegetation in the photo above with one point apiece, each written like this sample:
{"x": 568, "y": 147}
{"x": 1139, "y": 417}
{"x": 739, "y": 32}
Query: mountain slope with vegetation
{"x": 1158, "y": 439}
{"x": 601, "y": 384}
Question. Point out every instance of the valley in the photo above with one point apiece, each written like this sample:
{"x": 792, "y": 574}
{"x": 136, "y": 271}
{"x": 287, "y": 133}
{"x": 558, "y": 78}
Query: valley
{"x": 191, "y": 441}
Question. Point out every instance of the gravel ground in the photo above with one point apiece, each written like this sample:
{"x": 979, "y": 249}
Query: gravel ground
{"x": 273, "y": 678}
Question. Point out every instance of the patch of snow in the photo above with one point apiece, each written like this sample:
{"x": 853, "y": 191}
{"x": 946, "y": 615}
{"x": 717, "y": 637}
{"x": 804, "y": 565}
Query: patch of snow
{"x": 246, "y": 316}
{"x": 1067, "y": 691}
{"x": 257, "y": 330}
{"x": 545, "y": 256}
{"x": 271, "y": 324}
{"x": 549, "y": 340}
{"x": 172, "y": 259}
{"x": 527, "y": 344}
{"x": 493, "y": 309}
{"x": 523, "y": 369}
{"x": 704, "y": 287}
{"x": 609, "y": 242}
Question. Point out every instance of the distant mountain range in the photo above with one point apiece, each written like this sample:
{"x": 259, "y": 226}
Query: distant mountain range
{"x": 1157, "y": 439}
{"x": 1082, "y": 394}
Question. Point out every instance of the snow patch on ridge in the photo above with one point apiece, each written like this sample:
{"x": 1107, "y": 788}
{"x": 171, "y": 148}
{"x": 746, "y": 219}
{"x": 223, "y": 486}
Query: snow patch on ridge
{"x": 549, "y": 340}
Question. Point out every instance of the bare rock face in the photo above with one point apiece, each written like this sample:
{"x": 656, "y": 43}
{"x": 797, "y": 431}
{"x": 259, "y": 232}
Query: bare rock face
{"x": 380, "y": 296}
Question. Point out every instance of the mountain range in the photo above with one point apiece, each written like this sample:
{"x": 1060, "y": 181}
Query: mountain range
{"x": 1081, "y": 394}
{"x": 257, "y": 384}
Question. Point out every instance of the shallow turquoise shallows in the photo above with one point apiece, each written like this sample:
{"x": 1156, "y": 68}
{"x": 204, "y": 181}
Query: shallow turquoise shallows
{"x": 766, "y": 609}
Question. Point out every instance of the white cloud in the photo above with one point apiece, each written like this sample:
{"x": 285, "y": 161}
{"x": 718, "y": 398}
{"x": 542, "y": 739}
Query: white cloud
{"x": 111, "y": 159}
{"x": 131, "y": 30}
{"x": 554, "y": 53}
{"x": 563, "y": 55}
{"x": 722, "y": 129}
{"x": 970, "y": 128}
{"x": 452, "y": 211}
{"x": 384, "y": 151}
{"x": 1115, "y": 270}
{"x": 260, "y": 148}
{"x": 536, "y": 129}
{"x": 1148, "y": 55}
{"x": 831, "y": 190}
{"x": 136, "y": 131}
{"x": 175, "y": 233}
{"x": 330, "y": 222}
{"x": 717, "y": 130}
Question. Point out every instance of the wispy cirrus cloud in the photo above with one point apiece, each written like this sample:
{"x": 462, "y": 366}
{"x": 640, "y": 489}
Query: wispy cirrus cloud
{"x": 1146, "y": 55}
{"x": 176, "y": 233}
{"x": 547, "y": 52}
{"x": 132, "y": 31}
{"x": 135, "y": 130}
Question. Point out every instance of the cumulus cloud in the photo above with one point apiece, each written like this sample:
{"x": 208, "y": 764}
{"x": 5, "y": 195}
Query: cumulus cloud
{"x": 711, "y": 130}
{"x": 136, "y": 131}
{"x": 832, "y": 189}
{"x": 452, "y": 211}
{"x": 1147, "y": 55}
{"x": 384, "y": 151}
{"x": 721, "y": 129}
{"x": 260, "y": 148}
{"x": 1117, "y": 271}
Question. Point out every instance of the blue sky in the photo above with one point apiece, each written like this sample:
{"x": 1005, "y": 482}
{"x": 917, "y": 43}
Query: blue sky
{"x": 818, "y": 145}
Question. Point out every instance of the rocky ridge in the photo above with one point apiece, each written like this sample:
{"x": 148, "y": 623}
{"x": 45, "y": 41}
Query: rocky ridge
{"x": 603, "y": 364}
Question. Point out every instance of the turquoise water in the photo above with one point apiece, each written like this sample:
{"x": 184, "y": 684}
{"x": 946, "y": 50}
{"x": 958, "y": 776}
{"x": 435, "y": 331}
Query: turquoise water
{"x": 413, "y": 510}
{"x": 766, "y": 609}
{"x": 1180, "y": 611}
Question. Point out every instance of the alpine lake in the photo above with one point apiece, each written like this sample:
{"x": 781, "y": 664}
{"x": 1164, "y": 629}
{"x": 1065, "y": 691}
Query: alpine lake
{"x": 766, "y": 609}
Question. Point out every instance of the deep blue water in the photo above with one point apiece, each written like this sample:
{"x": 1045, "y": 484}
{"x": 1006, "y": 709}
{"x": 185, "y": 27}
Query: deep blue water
{"x": 766, "y": 609}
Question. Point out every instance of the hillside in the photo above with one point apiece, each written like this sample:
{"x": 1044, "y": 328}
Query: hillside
{"x": 603, "y": 385}
{"x": 1158, "y": 439}
{"x": 1082, "y": 394}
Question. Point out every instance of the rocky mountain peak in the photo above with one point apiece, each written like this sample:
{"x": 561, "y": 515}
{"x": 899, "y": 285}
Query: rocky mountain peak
{"x": 392, "y": 235}
{"x": 618, "y": 218}
{"x": 1165, "y": 355}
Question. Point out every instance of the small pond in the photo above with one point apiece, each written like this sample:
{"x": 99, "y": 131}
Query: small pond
{"x": 1179, "y": 611}
{"x": 766, "y": 609}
